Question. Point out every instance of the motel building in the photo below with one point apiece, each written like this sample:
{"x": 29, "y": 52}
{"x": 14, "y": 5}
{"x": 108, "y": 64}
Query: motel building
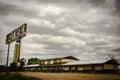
{"x": 72, "y": 64}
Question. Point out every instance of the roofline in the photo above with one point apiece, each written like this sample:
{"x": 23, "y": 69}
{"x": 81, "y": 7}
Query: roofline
{"x": 60, "y": 58}
{"x": 82, "y": 64}
{"x": 92, "y": 63}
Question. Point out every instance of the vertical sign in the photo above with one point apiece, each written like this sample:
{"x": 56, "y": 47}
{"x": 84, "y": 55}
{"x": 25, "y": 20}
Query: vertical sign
{"x": 16, "y": 53}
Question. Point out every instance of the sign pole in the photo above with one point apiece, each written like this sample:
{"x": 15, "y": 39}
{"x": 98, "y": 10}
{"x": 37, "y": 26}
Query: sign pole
{"x": 19, "y": 50}
{"x": 8, "y": 54}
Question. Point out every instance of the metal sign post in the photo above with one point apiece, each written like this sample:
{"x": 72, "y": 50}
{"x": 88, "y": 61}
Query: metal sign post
{"x": 19, "y": 50}
{"x": 8, "y": 55}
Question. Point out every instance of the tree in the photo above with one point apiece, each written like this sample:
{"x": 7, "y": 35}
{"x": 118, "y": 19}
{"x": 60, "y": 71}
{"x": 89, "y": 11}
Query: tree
{"x": 33, "y": 61}
{"x": 22, "y": 62}
{"x": 13, "y": 66}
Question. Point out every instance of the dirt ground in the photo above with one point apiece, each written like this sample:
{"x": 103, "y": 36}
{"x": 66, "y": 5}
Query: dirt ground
{"x": 72, "y": 76}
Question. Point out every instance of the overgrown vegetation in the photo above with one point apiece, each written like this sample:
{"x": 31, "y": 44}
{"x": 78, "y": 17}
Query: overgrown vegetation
{"x": 16, "y": 76}
{"x": 33, "y": 61}
{"x": 14, "y": 67}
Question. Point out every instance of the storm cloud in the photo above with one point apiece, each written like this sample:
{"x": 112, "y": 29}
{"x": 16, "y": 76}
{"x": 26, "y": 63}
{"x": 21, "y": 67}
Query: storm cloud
{"x": 82, "y": 28}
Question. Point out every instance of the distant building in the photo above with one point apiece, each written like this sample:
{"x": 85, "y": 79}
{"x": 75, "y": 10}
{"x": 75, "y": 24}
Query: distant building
{"x": 58, "y": 60}
{"x": 72, "y": 64}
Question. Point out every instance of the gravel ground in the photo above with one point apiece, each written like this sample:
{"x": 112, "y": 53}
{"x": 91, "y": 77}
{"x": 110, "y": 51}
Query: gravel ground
{"x": 72, "y": 76}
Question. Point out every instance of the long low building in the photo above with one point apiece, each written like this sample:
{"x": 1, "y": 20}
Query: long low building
{"x": 72, "y": 64}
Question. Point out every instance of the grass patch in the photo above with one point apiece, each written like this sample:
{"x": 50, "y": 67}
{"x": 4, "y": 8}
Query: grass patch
{"x": 17, "y": 76}
{"x": 2, "y": 77}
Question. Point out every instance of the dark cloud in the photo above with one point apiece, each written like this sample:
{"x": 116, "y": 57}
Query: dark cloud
{"x": 116, "y": 50}
{"x": 6, "y": 9}
{"x": 62, "y": 27}
{"x": 96, "y": 2}
{"x": 59, "y": 1}
{"x": 11, "y": 9}
{"x": 117, "y": 6}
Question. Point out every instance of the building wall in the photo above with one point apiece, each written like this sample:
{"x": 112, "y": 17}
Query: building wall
{"x": 80, "y": 68}
{"x": 73, "y": 68}
{"x": 66, "y": 68}
{"x": 68, "y": 60}
{"x": 87, "y": 67}
{"x": 34, "y": 68}
{"x": 51, "y": 61}
{"x": 55, "y": 61}
{"x": 110, "y": 66}
{"x": 44, "y": 68}
{"x": 98, "y": 67}
{"x": 42, "y": 62}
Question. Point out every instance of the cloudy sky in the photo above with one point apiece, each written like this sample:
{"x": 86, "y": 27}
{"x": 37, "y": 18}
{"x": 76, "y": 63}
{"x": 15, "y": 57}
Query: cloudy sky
{"x": 86, "y": 29}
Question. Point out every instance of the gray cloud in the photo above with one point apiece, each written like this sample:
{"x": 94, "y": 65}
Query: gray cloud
{"x": 82, "y": 28}
{"x": 6, "y": 9}
{"x": 117, "y": 6}
{"x": 97, "y": 3}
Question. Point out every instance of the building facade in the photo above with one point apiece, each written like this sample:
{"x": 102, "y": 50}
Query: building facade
{"x": 72, "y": 64}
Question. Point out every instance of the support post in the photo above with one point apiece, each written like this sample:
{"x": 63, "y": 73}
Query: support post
{"x": 8, "y": 55}
{"x": 19, "y": 50}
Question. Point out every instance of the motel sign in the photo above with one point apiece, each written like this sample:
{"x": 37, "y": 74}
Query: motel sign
{"x": 16, "y": 35}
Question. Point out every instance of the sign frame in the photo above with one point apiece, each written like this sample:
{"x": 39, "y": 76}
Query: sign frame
{"x": 18, "y": 33}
